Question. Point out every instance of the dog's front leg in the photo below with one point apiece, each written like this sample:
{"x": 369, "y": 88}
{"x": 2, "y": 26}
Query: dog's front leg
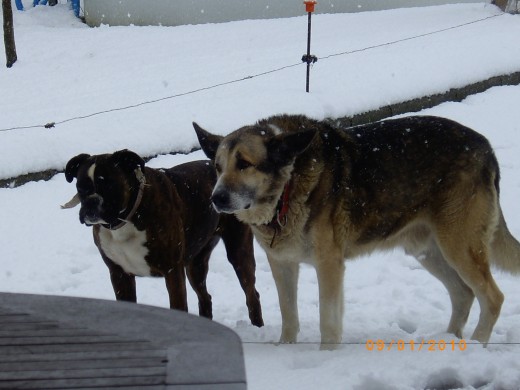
{"x": 238, "y": 240}
{"x": 176, "y": 284}
{"x": 122, "y": 282}
{"x": 285, "y": 274}
{"x": 330, "y": 272}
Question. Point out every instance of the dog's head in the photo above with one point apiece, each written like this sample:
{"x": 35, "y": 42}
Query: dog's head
{"x": 107, "y": 185}
{"x": 253, "y": 165}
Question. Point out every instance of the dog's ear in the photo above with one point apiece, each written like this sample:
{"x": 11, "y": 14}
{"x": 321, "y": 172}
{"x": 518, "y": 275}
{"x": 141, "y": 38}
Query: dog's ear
{"x": 208, "y": 142}
{"x": 283, "y": 148}
{"x": 127, "y": 160}
{"x": 71, "y": 170}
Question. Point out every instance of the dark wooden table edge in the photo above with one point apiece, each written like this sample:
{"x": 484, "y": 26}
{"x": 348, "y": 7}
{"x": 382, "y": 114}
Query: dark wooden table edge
{"x": 201, "y": 353}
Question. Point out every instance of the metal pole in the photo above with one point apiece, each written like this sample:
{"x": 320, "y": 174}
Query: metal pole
{"x": 308, "y": 51}
{"x": 309, "y": 58}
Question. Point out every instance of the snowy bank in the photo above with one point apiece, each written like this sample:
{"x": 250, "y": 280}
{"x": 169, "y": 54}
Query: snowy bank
{"x": 67, "y": 72}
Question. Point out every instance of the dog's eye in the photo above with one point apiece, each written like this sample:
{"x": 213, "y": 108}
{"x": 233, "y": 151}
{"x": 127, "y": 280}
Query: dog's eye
{"x": 85, "y": 188}
{"x": 243, "y": 164}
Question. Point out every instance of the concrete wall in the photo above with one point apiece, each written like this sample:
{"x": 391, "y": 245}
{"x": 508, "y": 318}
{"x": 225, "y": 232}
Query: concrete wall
{"x": 180, "y": 12}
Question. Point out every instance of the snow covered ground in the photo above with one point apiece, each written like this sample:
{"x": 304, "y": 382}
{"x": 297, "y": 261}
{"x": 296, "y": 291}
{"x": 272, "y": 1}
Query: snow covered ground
{"x": 67, "y": 70}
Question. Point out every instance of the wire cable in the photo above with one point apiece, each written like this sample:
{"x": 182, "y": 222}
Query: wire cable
{"x": 51, "y": 125}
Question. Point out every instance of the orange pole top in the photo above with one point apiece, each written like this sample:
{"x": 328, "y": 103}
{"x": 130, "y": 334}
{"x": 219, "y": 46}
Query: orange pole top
{"x": 309, "y": 5}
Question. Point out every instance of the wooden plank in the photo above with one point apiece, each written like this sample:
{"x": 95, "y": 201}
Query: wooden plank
{"x": 104, "y": 383}
{"x": 73, "y": 358}
{"x": 20, "y": 319}
{"x": 157, "y": 361}
{"x": 58, "y": 340}
{"x": 62, "y": 348}
{"x": 53, "y": 331}
{"x": 116, "y": 372}
{"x": 28, "y": 326}
{"x": 7, "y": 311}
{"x": 84, "y": 355}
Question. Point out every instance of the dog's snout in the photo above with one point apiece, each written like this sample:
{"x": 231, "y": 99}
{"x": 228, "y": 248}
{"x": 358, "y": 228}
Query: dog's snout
{"x": 90, "y": 209}
{"x": 231, "y": 200}
{"x": 93, "y": 200}
{"x": 220, "y": 199}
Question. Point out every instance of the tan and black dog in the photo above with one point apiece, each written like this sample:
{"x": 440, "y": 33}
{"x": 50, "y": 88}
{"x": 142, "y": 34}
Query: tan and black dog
{"x": 316, "y": 193}
{"x": 149, "y": 222}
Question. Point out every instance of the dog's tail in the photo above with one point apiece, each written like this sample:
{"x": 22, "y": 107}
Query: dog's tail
{"x": 505, "y": 248}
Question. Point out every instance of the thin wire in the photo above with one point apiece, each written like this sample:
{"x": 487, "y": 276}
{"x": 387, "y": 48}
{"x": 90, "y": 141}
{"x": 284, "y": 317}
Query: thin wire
{"x": 51, "y": 125}
{"x": 386, "y": 343}
{"x": 410, "y": 38}
{"x": 178, "y": 95}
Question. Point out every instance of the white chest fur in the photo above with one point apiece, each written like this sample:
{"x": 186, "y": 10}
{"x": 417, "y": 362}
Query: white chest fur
{"x": 125, "y": 247}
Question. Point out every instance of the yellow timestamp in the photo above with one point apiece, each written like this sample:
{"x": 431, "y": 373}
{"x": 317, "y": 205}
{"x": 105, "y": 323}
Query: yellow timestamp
{"x": 426, "y": 345}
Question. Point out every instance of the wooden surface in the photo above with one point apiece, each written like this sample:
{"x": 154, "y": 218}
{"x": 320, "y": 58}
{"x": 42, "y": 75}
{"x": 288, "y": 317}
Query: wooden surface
{"x": 73, "y": 343}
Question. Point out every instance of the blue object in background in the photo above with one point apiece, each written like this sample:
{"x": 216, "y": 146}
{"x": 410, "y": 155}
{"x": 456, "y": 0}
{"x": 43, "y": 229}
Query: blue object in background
{"x": 75, "y": 5}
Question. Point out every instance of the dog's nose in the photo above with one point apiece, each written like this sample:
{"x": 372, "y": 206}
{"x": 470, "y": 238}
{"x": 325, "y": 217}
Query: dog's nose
{"x": 220, "y": 199}
{"x": 91, "y": 209}
{"x": 92, "y": 202}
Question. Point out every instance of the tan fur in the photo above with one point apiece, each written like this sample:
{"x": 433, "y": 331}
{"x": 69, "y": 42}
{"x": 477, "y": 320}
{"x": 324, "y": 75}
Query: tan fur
{"x": 426, "y": 184}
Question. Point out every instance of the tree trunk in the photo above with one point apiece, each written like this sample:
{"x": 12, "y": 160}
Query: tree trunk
{"x": 10, "y": 47}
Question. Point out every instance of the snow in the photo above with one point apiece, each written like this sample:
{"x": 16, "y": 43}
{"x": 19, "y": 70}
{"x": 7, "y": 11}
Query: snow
{"x": 67, "y": 70}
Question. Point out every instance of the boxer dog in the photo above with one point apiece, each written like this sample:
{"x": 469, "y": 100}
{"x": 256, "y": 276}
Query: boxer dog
{"x": 149, "y": 222}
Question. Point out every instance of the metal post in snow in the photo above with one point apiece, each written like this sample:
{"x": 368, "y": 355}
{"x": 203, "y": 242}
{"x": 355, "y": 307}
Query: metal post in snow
{"x": 308, "y": 58}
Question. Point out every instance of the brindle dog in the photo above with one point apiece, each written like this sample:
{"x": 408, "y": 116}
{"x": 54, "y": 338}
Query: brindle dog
{"x": 150, "y": 222}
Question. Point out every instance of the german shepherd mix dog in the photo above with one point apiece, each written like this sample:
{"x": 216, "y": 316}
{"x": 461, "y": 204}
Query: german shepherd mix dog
{"x": 155, "y": 222}
{"x": 319, "y": 194}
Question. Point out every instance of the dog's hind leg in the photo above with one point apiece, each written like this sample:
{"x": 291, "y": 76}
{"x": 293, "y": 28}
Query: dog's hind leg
{"x": 285, "y": 274}
{"x": 461, "y": 295}
{"x": 176, "y": 284}
{"x": 238, "y": 240}
{"x": 197, "y": 271}
{"x": 473, "y": 267}
{"x": 464, "y": 236}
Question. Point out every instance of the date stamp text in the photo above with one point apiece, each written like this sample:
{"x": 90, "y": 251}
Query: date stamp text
{"x": 412, "y": 346}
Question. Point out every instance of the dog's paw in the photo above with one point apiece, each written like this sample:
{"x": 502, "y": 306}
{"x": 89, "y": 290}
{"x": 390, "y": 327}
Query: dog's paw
{"x": 257, "y": 321}
{"x": 328, "y": 346}
{"x": 288, "y": 338}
